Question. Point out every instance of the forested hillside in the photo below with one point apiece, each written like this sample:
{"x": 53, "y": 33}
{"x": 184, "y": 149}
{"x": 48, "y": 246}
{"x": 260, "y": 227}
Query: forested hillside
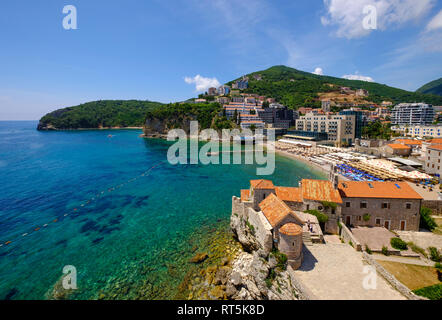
{"x": 97, "y": 114}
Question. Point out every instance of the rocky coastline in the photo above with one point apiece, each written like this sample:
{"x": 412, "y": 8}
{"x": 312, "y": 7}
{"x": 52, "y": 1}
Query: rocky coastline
{"x": 245, "y": 272}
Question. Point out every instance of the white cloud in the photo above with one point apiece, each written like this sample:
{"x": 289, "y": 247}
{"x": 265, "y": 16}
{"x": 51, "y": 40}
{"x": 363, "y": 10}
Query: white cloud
{"x": 436, "y": 22}
{"x": 348, "y": 15}
{"x": 357, "y": 77}
{"x": 318, "y": 71}
{"x": 202, "y": 83}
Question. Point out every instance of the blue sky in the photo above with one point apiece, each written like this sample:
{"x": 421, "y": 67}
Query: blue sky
{"x": 146, "y": 49}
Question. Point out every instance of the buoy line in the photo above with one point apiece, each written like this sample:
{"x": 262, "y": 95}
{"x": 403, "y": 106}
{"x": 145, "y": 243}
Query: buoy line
{"x": 82, "y": 205}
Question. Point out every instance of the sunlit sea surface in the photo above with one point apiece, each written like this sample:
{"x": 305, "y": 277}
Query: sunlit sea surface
{"x": 113, "y": 208}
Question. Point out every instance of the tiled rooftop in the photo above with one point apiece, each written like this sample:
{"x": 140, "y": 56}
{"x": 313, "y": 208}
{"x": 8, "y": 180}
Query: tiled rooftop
{"x": 245, "y": 195}
{"x": 289, "y": 194}
{"x": 262, "y": 184}
{"x": 290, "y": 229}
{"x": 409, "y": 142}
{"x": 319, "y": 190}
{"x": 274, "y": 209}
{"x": 377, "y": 189}
{"x": 398, "y": 146}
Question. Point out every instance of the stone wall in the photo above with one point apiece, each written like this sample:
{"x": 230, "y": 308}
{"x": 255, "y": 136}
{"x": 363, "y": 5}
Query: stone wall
{"x": 396, "y": 212}
{"x": 333, "y": 215}
{"x": 434, "y": 205}
{"x": 303, "y": 292}
{"x": 259, "y": 195}
{"x": 391, "y": 279}
{"x": 348, "y": 236}
{"x": 243, "y": 214}
{"x": 292, "y": 247}
{"x": 262, "y": 229}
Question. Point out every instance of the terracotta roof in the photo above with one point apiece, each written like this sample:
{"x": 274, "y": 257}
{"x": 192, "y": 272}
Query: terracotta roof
{"x": 435, "y": 141}
{"x": 289, "y": 194}
{"x": 435, "y": 147}
{"x": 245, "y": 195}
{"x": 290, "y": 229}
{"x": 262, "y": 184}
{"x": 319, "y": 190}
{"x": 398, "y": 146}
{"x": 377, "y": 189}
{"x": 274, "y": 209}
{"x": 409, "y": 141}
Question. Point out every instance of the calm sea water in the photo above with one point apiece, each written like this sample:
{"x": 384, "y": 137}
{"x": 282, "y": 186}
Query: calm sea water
{"x": 58, "y": 188}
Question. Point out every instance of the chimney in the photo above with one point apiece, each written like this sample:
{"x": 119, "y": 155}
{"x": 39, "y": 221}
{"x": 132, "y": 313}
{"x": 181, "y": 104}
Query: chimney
{"x": 335, "y": 181}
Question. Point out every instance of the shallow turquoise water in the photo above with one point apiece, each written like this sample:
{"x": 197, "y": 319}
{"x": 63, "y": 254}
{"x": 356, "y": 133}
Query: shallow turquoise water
{"x": 125, "y": 241}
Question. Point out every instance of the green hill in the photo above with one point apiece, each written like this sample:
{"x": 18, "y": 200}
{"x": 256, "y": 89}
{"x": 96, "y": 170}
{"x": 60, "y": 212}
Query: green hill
{"x": 97, "y": 114}
{"x": 298, "y": 88}
{"x": 433, "y": 87}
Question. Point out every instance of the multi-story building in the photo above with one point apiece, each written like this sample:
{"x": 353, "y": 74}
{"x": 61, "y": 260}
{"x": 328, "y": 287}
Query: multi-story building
{"x": 211, "y": 91}
{"x": 412, "y": 114}
{"x": 360, "y": 121}
{"x": 241, "y": 84}
{"x": 222, "y": 100}
{"x": 433, "y": 159}
{"x": 254, "y": 123}
{"x": 339, "y": 128}
{"x": 419, "y": 131}
{"x": 223, "y": 90}
{"x": 238, "y": 99}
{"x": 392, "y": 205}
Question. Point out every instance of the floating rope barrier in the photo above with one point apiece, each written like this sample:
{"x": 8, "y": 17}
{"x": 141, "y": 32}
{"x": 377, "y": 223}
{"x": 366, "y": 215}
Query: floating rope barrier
{"x": 83, "y": 204}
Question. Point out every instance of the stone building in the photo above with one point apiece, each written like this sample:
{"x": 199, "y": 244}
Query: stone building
{"x": 393, "y": 205}
{"x": 397, "y": 149}
{"x": 286, "y": 228}
{"x": 311, "y": 194}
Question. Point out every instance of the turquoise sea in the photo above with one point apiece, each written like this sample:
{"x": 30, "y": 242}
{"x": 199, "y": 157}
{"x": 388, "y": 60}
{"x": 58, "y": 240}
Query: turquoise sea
{"x": 80, "y": 198}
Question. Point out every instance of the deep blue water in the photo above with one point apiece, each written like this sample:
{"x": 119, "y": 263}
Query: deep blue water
{"x": 126, "y": 237}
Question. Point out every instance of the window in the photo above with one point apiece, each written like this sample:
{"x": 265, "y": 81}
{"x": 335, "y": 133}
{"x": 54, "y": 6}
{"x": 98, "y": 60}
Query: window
{"x": 308, "y": 207}
{"x": 359, "y": 218}
{"x": 378, "y": 221}
{"x": 347, "y": 204}
{"x": 385, "y": 205}
{"x": 408, "y": 205}
{"x": 363, "y": 205}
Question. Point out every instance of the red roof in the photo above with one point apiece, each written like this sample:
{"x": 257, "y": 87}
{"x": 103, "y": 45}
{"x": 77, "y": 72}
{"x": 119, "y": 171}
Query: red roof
{"x": 262, "y": 184}
{"x": 319, "y": 190}
{"x": 377, "y": 189}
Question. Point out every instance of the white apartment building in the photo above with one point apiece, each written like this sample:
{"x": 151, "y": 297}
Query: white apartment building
{"x": 412, "y": 114}
{"x": 339, "y": 128}
{"x": 419, "y": 131}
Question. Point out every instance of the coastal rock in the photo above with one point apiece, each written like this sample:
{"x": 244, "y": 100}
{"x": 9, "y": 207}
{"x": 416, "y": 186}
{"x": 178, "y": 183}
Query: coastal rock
{"x": 199, "y": 257}
{"x": 222, "y": 275}
{"x": 255, "y": 274}
{"x": 243, "y": 234}
{"x": 58, "y": 292}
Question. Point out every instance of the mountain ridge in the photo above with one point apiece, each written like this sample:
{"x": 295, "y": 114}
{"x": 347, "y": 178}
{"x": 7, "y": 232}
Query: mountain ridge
{"x": 432, "y": 87}
{"x": 300, "y": 88}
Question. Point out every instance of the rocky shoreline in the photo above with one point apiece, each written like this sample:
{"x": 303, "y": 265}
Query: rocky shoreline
{"x": 245, "y": 272}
